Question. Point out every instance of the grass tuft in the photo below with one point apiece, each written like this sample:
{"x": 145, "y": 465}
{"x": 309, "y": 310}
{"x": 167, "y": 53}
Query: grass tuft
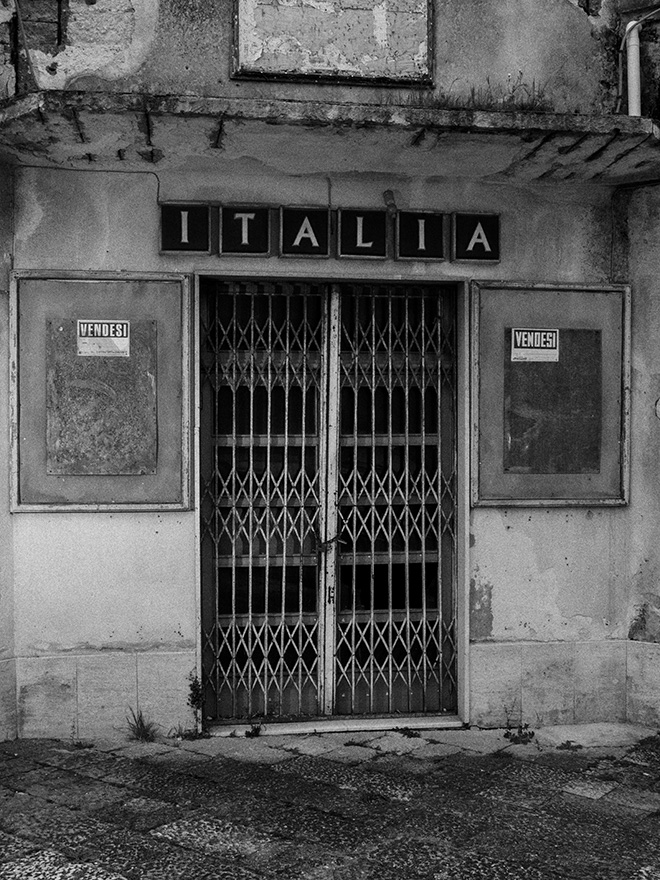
{"x": 141, "y": 729}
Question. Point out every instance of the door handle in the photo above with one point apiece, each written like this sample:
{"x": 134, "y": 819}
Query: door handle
{"x": 324, "y": 546}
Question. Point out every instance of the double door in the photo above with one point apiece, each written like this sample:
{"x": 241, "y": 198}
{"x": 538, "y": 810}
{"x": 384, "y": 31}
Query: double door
{"x": 328, "y": 498}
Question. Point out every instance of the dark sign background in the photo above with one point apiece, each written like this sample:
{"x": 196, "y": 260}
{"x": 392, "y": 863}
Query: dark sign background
{"x": 258, "y": 231}
{"x": 465, "y": 225}
{"x": 198, "y": 228}
{"x": 409, "y": 236}
{"x": 292, "y": 221}
{"x": 374, "y": 229}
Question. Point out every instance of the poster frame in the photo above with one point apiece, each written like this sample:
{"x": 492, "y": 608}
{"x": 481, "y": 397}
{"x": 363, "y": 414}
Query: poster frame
{"x": 531, "y": 304}
{"x": 101, "y": 493}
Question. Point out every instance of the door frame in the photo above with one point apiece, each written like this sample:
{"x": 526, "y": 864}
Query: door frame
{"x": 463, "y": 510}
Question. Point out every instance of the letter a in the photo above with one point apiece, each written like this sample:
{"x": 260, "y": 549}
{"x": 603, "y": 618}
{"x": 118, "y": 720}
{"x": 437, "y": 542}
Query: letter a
{"x": 479, "y": 237}
{"x": 306, "y": 231}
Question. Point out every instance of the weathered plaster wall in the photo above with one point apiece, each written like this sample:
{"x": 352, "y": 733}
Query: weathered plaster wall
{"x": 543, "y": 53}
{"x": 7, "y": 646}
{"x": 553, "y": 594}
{"x": 318, "y": 36}
{"x": 546, "y": 54}
{"x": 643, "y": 611}
{"x": 7, "y": 68}
{"x": 86, "y": 45}
{"x": 585, "y": 583}
{"x": 105, "y": 620}
{"x": 520, "y": 53}
{"x": 105, "y": 613}
{"x": 549, "y": 575}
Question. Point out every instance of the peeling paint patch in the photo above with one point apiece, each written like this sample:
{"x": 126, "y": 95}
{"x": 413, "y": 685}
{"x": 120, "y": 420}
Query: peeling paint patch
{"x": 591, "y": 7}
{"x": 106, "y": 41}
{"x": 481, "y": 610}
{"x": 372, "y": 40}
{"x": 47, "y": 698}
{"x": 645, "y": 624}
{"x": 380, "y": 24}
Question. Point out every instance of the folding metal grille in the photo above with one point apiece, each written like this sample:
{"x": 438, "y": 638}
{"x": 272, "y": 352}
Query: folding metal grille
{"x": 328, "y": 499}
{"x": 395, "y": 630}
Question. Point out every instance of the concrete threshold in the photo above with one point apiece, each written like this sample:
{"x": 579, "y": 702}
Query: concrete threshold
{"x": 340, "y": 725}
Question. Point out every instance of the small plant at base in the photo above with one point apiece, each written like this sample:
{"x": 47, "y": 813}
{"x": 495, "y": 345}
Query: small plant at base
{"x": 195, "y": 696}
{"x": 141, "y": 729}
{"x": 520, "y": 736}
{"x": 181, "y": 732}
{"x": 255, "y": 730}
{"x": 569, "y": 746}
{"x": 406, "y": 731}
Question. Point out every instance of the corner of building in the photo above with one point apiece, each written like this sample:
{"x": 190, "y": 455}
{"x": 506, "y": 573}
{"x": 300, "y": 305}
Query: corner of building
{"x": 8, "y": 715}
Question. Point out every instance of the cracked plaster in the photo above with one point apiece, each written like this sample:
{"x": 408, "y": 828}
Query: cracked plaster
{"x": 106, "y": 41}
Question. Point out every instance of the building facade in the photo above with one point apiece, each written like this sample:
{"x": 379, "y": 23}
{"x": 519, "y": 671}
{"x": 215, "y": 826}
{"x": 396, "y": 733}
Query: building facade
{"x": 332, "y": 375}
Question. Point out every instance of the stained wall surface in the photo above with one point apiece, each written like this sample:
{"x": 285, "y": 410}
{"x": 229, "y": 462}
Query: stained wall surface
{"x": 98, "y": 611}
{"x": 105, "y": 613}
{"x": 7, "y": 648}
{"x": 543, "y": 54}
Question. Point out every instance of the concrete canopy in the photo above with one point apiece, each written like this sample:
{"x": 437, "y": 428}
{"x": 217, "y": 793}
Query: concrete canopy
{"x": 130, "y": 131}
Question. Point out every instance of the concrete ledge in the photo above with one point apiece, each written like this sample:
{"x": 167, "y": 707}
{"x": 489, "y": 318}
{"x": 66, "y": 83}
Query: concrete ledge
{"x": 341, "y": 725}
{"x": 539, "y": 146}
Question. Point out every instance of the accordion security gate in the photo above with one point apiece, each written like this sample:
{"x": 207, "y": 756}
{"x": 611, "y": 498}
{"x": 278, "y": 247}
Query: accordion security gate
{"x": 328, "y": 498}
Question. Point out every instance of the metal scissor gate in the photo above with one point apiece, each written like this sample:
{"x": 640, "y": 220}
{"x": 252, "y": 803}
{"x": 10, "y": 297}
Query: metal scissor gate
{"x": 328, "y": 498}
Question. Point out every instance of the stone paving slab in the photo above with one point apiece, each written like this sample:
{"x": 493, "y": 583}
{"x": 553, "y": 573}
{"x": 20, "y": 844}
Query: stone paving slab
{"x": 429, "y": 750}
{"x": 16, "y": 766}
{"x": 438, "y": 810}
{"x": 482, "y": 742}
{"x": 349, "y": 777}
{"x": 54, "y": 827}
{"x": 313, "y": 745}
{"x": 398, "y": 743}
{"x": 139, "y": 813}
{"x": 633, "y": 798}
{"x": 349, "y": 754}
{"x": 588, "y": 788}
{"x": 414, "y": 857}
{"x": 49, "y": 865}
{"x": 136, "y": 855}
{"x": 12, "y": 847}
{"x": 257, "y": 749}
{"x": 142, "y": 749}
{"x": 212, "y": 746}
{"x": 211, "y": 836}
{"x": 177, "y": 757}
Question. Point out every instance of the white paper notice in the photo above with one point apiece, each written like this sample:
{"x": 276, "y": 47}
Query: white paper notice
{"x": 534, "y": 345}
{"x": 104, "y": 338}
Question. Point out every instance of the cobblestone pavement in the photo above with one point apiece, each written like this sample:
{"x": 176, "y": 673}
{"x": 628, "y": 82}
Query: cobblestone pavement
{"x": 581, "y": 802}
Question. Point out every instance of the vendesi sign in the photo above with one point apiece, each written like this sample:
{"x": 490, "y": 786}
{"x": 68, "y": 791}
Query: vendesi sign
{"x": 258, "y": 230}
{"x": 534, "y": 345}
{"x": 103, "y": 338}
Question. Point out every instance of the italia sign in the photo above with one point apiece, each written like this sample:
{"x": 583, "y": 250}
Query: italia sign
{"x": 258, "y": 230}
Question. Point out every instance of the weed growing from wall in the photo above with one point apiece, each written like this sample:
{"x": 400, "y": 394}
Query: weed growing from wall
{"x": 140, "y": 728}
{"x": 196, "y": 698}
